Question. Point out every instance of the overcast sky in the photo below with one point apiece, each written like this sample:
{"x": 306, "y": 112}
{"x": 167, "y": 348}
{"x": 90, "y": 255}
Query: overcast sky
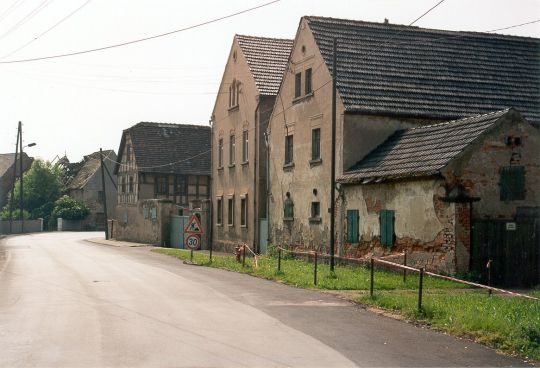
{"x": 77, "y": 104}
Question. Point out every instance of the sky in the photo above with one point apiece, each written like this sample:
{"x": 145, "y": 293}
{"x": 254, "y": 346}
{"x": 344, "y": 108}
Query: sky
{"x": 78, "y": 104}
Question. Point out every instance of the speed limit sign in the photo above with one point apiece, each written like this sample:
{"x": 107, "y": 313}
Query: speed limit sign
{"x": 193, "y": 241}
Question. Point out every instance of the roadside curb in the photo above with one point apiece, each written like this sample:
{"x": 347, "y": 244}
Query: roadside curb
{"x": 116, "y": 243}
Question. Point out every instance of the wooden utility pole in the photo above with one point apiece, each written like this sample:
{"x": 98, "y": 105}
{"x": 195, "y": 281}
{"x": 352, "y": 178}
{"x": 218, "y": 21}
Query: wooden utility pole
{"x": 333, "y": 163}
{"x": 21, "y": 215}
{"x": 12, "y": 195}
{"x": 104, "y": 194}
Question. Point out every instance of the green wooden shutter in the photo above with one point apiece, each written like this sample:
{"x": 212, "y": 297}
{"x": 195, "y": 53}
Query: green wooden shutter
{"x": 352, "y": 226}
{"x": 512, "y": 182}
{"x": 386, "y": 219}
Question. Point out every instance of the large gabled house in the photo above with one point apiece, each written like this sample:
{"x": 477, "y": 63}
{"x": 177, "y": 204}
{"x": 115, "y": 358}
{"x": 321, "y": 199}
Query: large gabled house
{"x": 240, "y": 117}
{"x": 389, "y": 77}
{"x": 169, "y": 163}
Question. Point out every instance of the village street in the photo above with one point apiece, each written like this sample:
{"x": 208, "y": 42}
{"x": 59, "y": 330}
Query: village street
{"x": 68, "y": 302}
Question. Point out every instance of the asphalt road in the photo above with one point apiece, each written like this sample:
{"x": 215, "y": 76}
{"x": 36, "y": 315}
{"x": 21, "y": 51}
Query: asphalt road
{"x": 65, "y": 302}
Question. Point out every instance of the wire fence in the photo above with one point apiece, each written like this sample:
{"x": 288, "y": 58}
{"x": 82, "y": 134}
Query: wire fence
{"x": 385, "y": 262}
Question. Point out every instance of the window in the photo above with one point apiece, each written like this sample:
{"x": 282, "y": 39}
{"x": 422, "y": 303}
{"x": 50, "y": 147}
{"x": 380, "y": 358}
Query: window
{"x": 130, "y": 187}
{"x": 386, "y": 222}
{"x": 307, "y": 84}
{"x": 289, "y": 149}
{"x": 315, "y": 210}
{"x": 122, "y": 184}
{"x": 288, "y": 208}
{"x": 245, "y": 146}
{"x": 316, "y": 144}
{"x": 352, "y": 226}
{"x": 233, "y": 93}
{"x": 100, "y": 196}
{"x": 128, "y": 152}
{"x": 180, "y": 188}
{"x": 512, "y": 183}
{"x": 162, "y": 185}
{"x": 230, "y": 211}
{"x": 232, "y": 149}
{"x": 297, "y": 85}
{"x": 219, "y": 209}
{"x": 243, "y": 211}
{"x": 220, "y": 153}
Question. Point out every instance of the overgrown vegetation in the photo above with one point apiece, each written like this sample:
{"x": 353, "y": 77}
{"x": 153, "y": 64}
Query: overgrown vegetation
{"x": 42, "y": 187}
{"x": 69, "y": 209}
{"x": 506, "y": 323}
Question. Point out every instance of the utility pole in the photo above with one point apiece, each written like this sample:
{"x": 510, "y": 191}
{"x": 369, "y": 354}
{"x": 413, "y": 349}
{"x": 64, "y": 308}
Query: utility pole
{"x": 333, "y": 163}
{"x": 104, "y": 194}
{"x": 21, "y": 215}
{"x": 12, "y": 195}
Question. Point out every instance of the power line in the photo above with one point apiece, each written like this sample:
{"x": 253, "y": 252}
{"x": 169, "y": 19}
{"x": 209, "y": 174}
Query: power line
{"x": 10, "y": 9}
{"x": 27, "y": 17}
{"x": 514, "y": 26}
{"x": 140, "y": 39}
{"x": 48, "y": 30}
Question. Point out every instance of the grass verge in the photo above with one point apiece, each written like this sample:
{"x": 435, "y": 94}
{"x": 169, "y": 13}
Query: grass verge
{"x": 506, "y": 323}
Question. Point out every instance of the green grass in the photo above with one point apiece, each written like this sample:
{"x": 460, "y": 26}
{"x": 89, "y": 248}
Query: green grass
{"x": 300, "y": 273}
{"x": 506, "y": 323}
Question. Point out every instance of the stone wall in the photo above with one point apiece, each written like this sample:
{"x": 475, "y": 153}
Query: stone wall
{"x": 30, "y": 226}
{"x": 147, "y": 221}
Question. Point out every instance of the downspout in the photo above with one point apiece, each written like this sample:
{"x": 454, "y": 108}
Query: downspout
{"x": 211, "y": 185}
{"x": 256, "y": 244}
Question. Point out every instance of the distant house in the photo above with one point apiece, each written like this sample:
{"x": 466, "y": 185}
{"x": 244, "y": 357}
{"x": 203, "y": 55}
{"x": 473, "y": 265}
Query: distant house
{"x": 7, "y": 170}
{"x": 243, "y": 106}
{"x": 167, "y": 163}
{"x": 86, "y": 186}
{"x": 389, "y": 77}
{"x": 453, "y": 196}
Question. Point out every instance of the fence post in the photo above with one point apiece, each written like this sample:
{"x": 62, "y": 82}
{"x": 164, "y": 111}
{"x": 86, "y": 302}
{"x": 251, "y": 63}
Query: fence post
{"x": 315, "y": 270}
{"x": 420, "y": 287}
{"x": 279, "y": 260}
{"x": 372, "y": 268}
{"x": 191, "y": 256}
{"x": 489, "y": 275}
{"x": 404, "y": 264}
{"x": 243, "y": 255}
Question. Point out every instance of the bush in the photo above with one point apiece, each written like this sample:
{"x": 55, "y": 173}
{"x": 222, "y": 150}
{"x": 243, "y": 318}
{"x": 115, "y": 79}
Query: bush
{"x": 4, "y": 215}
{"x": 69, "y": 209}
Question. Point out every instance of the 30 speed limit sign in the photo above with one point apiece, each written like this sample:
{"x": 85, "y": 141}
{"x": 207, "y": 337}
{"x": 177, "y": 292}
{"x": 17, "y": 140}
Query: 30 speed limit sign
{"x": 193, "y": 241}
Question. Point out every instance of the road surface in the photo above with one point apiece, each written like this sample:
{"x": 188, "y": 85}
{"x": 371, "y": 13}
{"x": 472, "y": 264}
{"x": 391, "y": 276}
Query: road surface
{"x": 65, "y": 302}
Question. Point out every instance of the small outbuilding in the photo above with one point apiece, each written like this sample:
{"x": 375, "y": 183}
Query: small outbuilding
{"x": 455, "y": 196}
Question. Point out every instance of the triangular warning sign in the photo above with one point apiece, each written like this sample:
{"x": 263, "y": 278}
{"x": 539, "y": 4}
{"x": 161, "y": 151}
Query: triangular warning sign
{"x": 193, "y": 226}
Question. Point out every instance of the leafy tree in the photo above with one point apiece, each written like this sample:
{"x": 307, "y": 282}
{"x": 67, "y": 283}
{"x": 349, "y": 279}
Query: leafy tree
{"x": 69, "y": 209}
{"x": 4, "y": 215}
{"x": 42, "y": 187}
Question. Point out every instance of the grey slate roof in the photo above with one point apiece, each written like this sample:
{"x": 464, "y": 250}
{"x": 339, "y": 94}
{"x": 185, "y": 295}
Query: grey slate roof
{"x": 427, "y": 73}
{"x": 169, "y": 148}
{"x": 88, "y": 167}
{"x": 267, "y": 59}
{"x": 421, "y": 151}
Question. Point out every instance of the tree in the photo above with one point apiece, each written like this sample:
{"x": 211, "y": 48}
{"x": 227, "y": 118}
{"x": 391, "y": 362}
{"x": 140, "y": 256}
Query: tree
{"x": 69, "y": 209}
{"x": 42, "y": 187}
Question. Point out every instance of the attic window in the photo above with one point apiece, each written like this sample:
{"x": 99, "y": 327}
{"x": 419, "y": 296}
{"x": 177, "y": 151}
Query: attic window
{"x": 234, "y": 55}
{"x": 234, "y": 91}
{"x": 303, "y": 49}
{"x": 513, "y": 141}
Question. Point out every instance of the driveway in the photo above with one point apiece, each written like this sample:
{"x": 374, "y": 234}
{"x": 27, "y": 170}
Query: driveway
{"x": 65, "y": 302}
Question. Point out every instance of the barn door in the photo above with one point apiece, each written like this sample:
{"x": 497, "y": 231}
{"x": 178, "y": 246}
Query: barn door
{"x": 513, "y": 247}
